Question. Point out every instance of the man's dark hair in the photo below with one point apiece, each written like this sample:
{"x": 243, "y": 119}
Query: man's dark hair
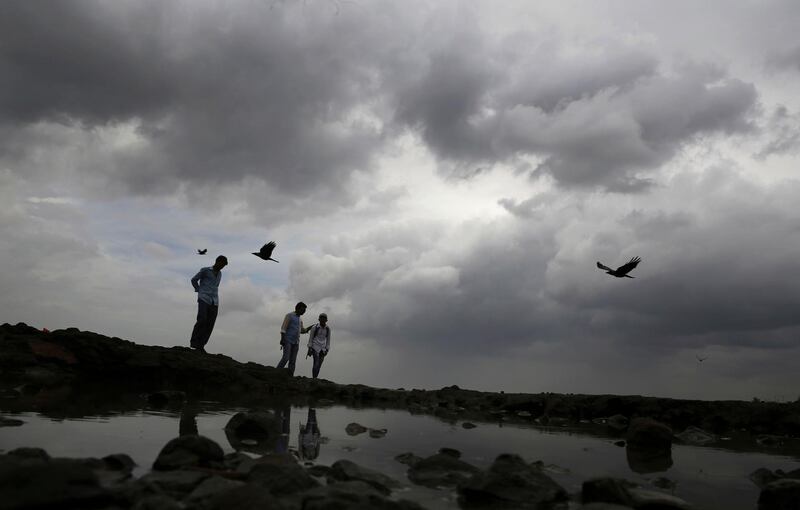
{"x": 222, "y": 258}
{"x": 300, "y": 305}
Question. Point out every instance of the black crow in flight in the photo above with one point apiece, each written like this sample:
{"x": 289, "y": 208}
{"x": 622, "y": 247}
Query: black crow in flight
{"x": 623, "y": 270}
{"x": 202, "y": 252}
{"x": 266, "y": 251}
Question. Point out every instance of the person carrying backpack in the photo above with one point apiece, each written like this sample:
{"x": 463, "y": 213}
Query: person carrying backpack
{"x": 319, "y": 343}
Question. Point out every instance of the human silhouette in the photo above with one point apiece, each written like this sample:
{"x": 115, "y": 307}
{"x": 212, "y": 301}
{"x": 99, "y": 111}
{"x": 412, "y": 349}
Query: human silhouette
{"x": 309, "y": 439}
{"x": 206, "y": 284}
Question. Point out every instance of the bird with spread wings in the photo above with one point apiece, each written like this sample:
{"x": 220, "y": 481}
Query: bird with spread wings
{"x": 266, "y": 251}
{"x": 623, "y": 270}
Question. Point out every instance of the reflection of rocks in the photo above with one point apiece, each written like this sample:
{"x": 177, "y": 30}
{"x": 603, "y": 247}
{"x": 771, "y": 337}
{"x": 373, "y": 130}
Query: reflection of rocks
{"x": 763, "y": 476}
{"x": 346, "y": 470}
{"x": 510, "y": 482}
{"x": 10, "y": 422}
{"x": 353, "y": 429}
{"x": 377, "y": 433}
{"x": 256, "y": 432}
{"x": 649, "y": 446}
{"x": 409, "y": 459}
{"x": 643, "y": 460}
{"x": 188, "y": 451}
{"x": 441, "y": 470}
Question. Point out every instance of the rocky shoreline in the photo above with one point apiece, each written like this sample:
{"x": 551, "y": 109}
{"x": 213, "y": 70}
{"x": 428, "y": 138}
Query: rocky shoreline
{"x": 63, "y": 372}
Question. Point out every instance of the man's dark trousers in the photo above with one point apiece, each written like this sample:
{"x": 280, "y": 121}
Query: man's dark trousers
{"x": 206, "y": 317}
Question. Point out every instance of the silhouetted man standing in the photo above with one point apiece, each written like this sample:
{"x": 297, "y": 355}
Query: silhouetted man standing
{"x": 319, "y": 343}
{"x": 291, "y": 329}
{"x": 206, "y": 284}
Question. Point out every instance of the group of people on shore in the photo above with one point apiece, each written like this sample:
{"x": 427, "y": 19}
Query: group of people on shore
{"x": 206, "y": 285}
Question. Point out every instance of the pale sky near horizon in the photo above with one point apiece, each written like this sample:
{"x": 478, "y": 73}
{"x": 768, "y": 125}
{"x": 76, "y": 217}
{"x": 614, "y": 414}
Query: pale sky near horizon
{"x": 440, "y": 178}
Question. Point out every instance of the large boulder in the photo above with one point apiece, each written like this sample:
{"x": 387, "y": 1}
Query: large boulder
{"x": 189, "y": 451}
{"x": 346, "y": 470}
{"x": 281, "y": 475}
{"x": 628, "y": 494}
{"x": 646, "y": 433}
{"x": 510, "y": 482}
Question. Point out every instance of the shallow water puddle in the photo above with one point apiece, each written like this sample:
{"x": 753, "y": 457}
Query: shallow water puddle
{"x": 709, "y": 478}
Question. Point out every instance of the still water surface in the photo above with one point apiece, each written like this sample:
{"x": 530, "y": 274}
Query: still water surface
{"x": 709, "y": 478}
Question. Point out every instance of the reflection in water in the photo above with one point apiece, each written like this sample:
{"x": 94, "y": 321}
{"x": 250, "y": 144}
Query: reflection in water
{"x": 187, "y": 426}
{"x": 645, "y": 461}
{"x": 285, "y": 416}
{"x": 309, "y": 439}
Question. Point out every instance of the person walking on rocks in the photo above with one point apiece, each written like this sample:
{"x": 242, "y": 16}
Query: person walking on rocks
{"x": 319, "y": 343}
{"x": 206, "y": 284}
{"x": 291, "y": 329}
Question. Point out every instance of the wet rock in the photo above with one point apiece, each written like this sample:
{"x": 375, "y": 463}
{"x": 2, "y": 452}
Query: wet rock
{"x": 319, "y": 471}
{"x": 604, "y": 506}
{"x": 211, "y": 486}
{"x": 29, "y": 453}
{"x": 665, "y": 483}
{"x": 617, "y": 422}
{"x": 119, "y": 462}
{"x": 780, "y": 495}
{"x": 696, "y": 436}
{"x": 645, "y": 433}
{"x": 441, "y": 470}
{"x": 621, "y": 444}
{"x": 10, "y": 422}
{"x": 468, "y": 425}
{"x": 511, "y": 482}
{"x": 157, "y": 502}
{"x": 352, "y": 495}
{"x": 623, "y": 492}
{"x": 451, "y": 452}
{"x": 257, "y": 432}
{"x": 763, "y": 477}
{"x": 187, "y": 451}
{"x": 346, "y": 470}
{"x": 377, "y": 433}
{"x": 281, "y": 475}
{"x": 249, "y": 496}
{"x": 354, "y": 429}
{"x": 770, "y": 441}
{"x": 178, "y": 483}
{"x": 408, "y": 458}
{"x": 32, "y": 482}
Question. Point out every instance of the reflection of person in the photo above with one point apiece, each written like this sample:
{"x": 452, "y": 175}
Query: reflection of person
{"x": 282, "y": 444}
{"x": 319, "y": 343}
{"x": 291, "y": 329}
{"x": 309, "y": 439}
{"x": 206, "y": 284}
{"x": 187, "y": 426}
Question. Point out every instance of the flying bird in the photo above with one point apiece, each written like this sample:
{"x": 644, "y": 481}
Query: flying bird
{"x": 266, "y": 251}
{"x": 623, "y": 270}
{"x": 701, "y": 359}
{"x": 202, "y": 252}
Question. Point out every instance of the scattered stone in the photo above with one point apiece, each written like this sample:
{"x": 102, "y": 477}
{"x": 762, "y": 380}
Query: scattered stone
{"x": 468, "y": 425}
{"x": 377, "y": 433}
{"x": 211, "y": 486}
{"x": 354, "y": 429}
{"x": 408, "y": 458}
{"x": 696, "y": 436}
{"x": 441, "y": 470}
{"x": 511, "y": 482}
{"x": 176, "y": 483}
{"x": 186, "y": 451}
{"x": 346, "y": 470}
{"x": 780, "y": 495}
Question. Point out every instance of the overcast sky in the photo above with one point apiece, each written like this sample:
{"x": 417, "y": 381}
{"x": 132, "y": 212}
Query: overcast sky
{"x": 440, "y": 178}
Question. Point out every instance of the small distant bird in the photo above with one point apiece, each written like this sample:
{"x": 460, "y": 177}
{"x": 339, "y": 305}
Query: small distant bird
{"x": 202, "y": 252}
{"x": 623, "y": 270}
{"x": 266, "y": 251}
{"x": 701, "y": 359}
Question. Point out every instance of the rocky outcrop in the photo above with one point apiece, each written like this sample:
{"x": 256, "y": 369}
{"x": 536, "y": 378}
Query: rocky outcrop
{"x": 189, "y": 451}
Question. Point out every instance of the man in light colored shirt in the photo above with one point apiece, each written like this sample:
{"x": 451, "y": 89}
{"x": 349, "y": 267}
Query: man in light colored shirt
{"x": 319, "y": 343}
{"x": 206, "y": 284}
{"x": 291, "y": 329}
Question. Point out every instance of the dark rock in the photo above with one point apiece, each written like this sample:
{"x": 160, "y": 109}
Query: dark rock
{"x": 377, "y": 433}
{"x": 176, "y": 483}
{"x": 510, "y": 483}
{"x": 441, "y": 470}
{"x": 769, "y": 440}
{"x": 663, "y": 482}
{"x": 468, "y": 425}
{"x": 249, "y": 496}
{"x": 622, "y": 492}
{"x": 33, "y": 482}
{"x": 187, "y": 451}
{"x": 604, "y": 506}
{"x": 29, "y": 453}
{"x": 763, "y": 477}
{"x": 157, "y": 502}
{"x": 353, "y": 429}
{"x": 617, "y": 422}
{"x": 281, "y": 475}
{"x": 319, "y": 471}
{"x": 645, "y": 460}
{"x": 408, "y": 458}
{"x": 211, "y": 486}
{"x": 649, "y": 434}
{"x": 352, "y": 495}
{"x": 164, "y": 397}
{"x": 780, "y": 495}
{"x": 621, "y": 444}
{"x": 647, "y": 499}
{"x": 119, "y": 462}
{"x": 346, "y": 470}
{"x": 451, "y": 452}
{"x": 696, "y": 436}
